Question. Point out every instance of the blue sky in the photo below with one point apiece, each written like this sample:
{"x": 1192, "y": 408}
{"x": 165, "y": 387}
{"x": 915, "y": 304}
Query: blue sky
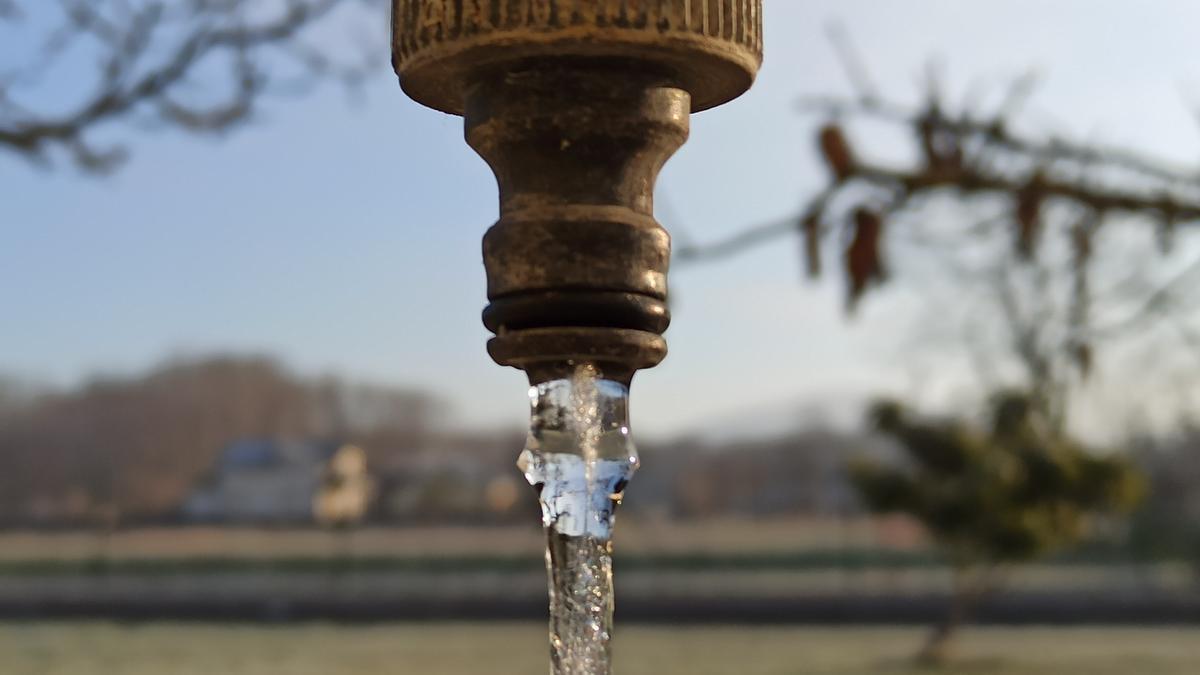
{"x": 345, "y": 237}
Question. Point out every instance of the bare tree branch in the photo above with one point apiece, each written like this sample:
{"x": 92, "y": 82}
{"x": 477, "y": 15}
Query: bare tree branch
{"x": 150, "y": 55}
{"x": 1035, "y": 258}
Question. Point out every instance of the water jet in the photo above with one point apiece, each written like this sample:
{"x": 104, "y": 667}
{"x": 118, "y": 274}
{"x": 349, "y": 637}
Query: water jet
{"x": 576, "y": 105}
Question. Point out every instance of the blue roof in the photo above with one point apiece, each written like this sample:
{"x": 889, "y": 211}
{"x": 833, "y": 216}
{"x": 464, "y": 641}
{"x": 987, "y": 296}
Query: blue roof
{"x": 262, "y": 453}
{"x": 251, "y": 453}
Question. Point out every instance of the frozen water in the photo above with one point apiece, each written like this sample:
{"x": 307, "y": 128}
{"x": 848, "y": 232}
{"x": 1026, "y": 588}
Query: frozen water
{"x": 579, "y": 457}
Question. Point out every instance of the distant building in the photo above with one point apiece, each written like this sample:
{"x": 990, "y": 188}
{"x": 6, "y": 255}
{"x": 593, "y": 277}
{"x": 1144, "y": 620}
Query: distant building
{"x": 346, "y": 489}
{"x": 264, "y": 481}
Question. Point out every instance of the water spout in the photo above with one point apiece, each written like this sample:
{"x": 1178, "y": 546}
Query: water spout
{"x": 576, "y": 105}
{"x": 579, "y": 458}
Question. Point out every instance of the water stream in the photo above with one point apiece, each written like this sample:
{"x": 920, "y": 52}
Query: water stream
{"x": 579, "y": 457}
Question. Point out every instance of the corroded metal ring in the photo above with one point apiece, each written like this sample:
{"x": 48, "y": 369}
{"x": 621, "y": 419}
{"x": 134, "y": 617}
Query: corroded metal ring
{"x": 552, "y": 353}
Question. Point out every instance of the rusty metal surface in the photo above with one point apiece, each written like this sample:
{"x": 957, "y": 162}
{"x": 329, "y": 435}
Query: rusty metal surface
{"x": 576, "y": 149}
{"x": 712, "y": 48}
{"x": 576, "y": 105}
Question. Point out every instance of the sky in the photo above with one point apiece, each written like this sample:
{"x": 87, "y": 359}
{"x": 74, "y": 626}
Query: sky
{"x": 344, "y": 236}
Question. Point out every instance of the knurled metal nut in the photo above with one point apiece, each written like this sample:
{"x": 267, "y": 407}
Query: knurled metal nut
{"x": 711, "y": 48}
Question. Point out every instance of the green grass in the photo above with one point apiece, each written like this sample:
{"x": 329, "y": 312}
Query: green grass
{"x": 518, "y": 649}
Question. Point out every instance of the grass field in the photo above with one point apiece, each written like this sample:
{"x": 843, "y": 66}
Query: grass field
{"x": 641, "y": 537}
{"x": 518, "y": 649}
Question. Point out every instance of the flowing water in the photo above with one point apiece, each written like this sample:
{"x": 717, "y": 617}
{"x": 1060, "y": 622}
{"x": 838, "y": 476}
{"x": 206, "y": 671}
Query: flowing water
{"x": 579, "y": 458}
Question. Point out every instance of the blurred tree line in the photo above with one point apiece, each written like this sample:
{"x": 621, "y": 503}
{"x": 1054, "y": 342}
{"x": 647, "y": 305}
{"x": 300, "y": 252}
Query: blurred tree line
{"x": 130, "y": 450}
{"x": 133, "y": 448}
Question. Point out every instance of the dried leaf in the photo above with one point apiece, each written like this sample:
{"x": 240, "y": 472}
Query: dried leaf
{"x": 1028, "y": 214}
{"x": 1081, "y": 352}
{"x": 836, "y": 151}
{"x": 864, "y": 264}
